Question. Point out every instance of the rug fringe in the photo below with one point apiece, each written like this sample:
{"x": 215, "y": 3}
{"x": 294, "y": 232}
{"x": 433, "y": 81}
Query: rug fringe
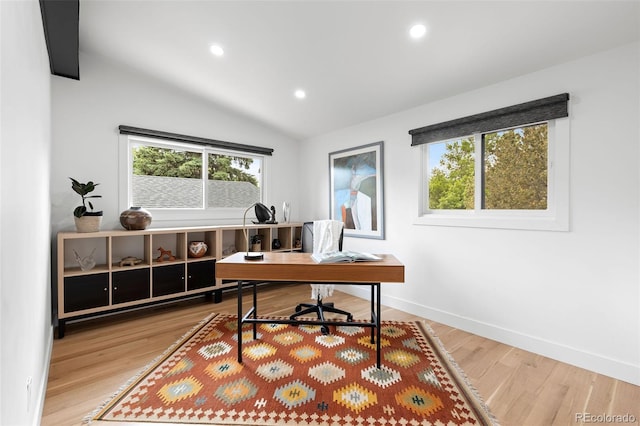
{"x": 460, "y": 372}
{"x": 88, "y": 419}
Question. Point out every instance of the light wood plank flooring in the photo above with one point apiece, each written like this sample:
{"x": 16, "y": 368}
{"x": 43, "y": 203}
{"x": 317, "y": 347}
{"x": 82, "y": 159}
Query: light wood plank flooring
{"x": 522, "y": 389}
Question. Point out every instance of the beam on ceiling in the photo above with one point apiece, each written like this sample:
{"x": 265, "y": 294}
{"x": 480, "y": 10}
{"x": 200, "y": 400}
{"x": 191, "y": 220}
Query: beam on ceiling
{"x": 60, "y": 19}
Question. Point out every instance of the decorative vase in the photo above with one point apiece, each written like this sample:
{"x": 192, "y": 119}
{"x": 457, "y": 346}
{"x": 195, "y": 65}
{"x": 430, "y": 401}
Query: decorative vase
{"x": 197, "y": 248}
{"x": 88, "y": 222}
{"x": 86, "y": 263}
{"x": 286, "y": 212}
{"x": 135, "y": 219}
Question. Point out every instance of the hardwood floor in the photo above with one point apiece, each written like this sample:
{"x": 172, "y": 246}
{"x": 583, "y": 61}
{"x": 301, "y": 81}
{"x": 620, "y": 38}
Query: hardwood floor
{"x": 98, "y": 356}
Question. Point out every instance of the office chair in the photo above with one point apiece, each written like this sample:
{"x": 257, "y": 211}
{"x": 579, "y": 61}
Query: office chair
{"x": 319, "y": 291}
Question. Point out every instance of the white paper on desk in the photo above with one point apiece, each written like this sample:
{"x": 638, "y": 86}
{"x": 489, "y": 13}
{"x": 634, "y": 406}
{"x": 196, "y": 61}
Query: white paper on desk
{"x": 343, "y": 256}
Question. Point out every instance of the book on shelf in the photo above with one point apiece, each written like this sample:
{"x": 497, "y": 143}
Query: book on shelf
{"x": 343, "y": 256}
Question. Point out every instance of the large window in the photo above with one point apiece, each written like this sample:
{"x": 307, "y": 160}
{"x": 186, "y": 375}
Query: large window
{"x": 177, "y": 180}
{"x": 504, "y": 170}
{"x": 513, "y": 177}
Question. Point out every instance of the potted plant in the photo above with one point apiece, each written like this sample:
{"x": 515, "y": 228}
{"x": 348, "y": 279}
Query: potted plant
{"x": 87, "y": 220}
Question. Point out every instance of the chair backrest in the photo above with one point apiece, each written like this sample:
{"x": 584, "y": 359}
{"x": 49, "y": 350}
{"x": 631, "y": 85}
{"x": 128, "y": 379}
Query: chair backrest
{"x": 307, "y": 238}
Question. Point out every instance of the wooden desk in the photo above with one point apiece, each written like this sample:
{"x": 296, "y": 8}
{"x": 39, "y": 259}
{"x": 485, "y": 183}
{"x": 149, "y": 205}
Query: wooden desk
{"x": 299, "y": 267}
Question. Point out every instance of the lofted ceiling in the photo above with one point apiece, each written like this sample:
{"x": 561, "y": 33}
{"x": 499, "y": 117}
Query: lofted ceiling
{"x": 354, "y": 59}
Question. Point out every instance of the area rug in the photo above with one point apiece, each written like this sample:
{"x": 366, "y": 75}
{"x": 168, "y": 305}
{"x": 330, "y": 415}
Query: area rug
{"x": 296, "y": 375}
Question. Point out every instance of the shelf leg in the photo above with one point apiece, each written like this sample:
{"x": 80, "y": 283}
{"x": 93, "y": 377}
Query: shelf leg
{"x": 61, "y": 324}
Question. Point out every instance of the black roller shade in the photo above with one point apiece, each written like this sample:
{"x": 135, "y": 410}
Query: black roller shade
{"x": 136, "y": 131}
{"x": 517, "y": 115}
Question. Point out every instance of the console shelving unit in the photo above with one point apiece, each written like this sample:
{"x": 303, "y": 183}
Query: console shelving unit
{"x": 109, "y": 287}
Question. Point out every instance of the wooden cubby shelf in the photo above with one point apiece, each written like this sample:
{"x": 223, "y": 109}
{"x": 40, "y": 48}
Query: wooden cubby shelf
{"x": 150, "y": 276}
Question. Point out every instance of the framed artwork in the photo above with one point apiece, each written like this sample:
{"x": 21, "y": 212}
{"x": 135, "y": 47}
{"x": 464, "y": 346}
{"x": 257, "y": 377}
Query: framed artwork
{"x": 356, "y": 190}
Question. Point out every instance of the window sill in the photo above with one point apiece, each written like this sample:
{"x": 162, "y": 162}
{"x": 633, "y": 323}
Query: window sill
{"x": 493, "y": 221}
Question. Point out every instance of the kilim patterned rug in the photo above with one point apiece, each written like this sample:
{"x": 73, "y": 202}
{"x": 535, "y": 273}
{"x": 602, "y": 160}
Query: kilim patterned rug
{"x": 295, "y": 375}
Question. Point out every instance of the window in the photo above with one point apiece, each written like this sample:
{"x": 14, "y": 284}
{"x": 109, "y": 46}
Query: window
{"x": 450, "y": 175}
{"x": 164, "y": 177}
{"x": 515, "y": 177}
{"x": 514, "y": 172}
{"x": 178, "y": 180}
{"x": 508, "y": 168}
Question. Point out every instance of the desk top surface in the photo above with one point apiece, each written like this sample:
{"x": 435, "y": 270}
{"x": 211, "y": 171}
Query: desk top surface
{"x": 279, "y": 266}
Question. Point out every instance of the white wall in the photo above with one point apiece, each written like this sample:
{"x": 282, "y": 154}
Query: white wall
{"x": 25, "y": 138}
{"x": 86, "y": 116}
{"x": 571, "y": 295}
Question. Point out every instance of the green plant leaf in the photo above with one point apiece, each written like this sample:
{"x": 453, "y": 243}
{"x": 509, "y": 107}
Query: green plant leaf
{"x": 79, "y": 211}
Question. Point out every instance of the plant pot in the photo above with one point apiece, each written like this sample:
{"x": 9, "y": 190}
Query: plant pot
{"x": 88, "y": 222}
{"x": 256, "y": 247}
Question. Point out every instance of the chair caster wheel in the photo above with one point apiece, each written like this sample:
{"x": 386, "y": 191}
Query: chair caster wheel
{"x": 298, "y": 308}
{"x": 350, "y": 318}
{"x": 324, "y": 329}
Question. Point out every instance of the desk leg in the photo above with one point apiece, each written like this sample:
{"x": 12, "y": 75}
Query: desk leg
{"x": 255, "y": 311}
{"x": 374, "y": 315}
{"x": 378, "y": 322}
{"x": 240, "y": 322}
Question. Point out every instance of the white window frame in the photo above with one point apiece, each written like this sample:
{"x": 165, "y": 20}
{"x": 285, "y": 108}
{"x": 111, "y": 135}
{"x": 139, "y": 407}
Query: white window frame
{"x": 181, "y": 216}
{"x": 554, "y": 218}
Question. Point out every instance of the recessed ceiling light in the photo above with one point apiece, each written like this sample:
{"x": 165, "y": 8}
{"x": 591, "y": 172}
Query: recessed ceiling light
{"x": 418, "y": 31}
{"x": 216, "y": 50}
{"x": 300, "y": 94}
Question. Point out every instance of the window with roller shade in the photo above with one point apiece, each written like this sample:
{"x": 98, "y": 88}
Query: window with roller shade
{"x": 506, "y": 168}
{"x": 178, "y": 177}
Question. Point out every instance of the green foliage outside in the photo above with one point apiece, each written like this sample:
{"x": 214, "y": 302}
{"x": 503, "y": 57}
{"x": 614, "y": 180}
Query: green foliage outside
{"x": 515, "y": 172}
{"x": 153, "y": 161}
{"x": 451, "y": 185}
{"x": 224, "y": 167}
{"x": 516, "y": 169}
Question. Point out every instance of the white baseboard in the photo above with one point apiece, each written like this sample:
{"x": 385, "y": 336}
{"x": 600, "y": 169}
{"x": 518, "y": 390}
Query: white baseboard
{"x": 594, "y": 362}
{"x": 38, "y": 406}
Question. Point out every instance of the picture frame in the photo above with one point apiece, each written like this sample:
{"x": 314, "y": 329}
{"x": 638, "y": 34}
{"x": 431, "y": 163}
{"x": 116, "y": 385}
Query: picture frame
{"x": 356, "y": 190}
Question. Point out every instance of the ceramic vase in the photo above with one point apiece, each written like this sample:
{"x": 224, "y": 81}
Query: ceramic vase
{"x": 197, "y": 248}
{"x": 135, "y": 219}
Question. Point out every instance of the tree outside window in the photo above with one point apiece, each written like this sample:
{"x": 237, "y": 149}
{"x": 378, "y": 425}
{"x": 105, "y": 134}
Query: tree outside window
{"x": 512, "y": 165}
{"x": 515, "y": 169}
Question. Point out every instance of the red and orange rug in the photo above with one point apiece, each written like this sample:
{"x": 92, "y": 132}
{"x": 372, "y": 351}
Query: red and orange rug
{"x": 295, "y": 375}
